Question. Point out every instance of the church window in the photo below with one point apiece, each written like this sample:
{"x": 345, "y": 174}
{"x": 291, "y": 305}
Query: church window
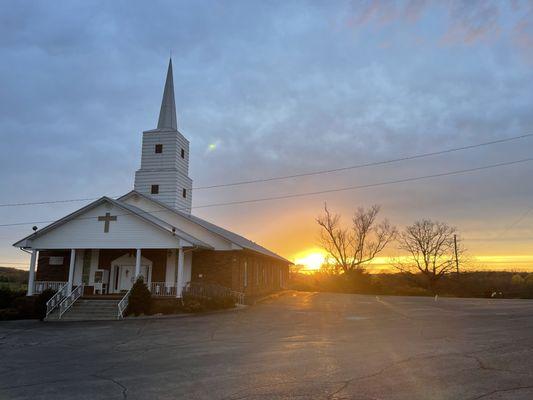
{"x": 245, "y": 277}
{"x": 158, "y": 148}
{"x": 182, "y": 153}
{"x": 154, "y": 189}
{"x": 184, "y": 193}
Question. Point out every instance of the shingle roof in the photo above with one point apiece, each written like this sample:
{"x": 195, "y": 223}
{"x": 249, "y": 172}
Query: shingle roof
{"x": 226, "y": 234}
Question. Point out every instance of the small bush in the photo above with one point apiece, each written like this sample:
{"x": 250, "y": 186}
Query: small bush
{"x": 517, "y": 280}
{"x": 8, "y": 296}
{"x": 194, "y": 304}
{"x": 140, "y": 300}
{"x": 7, "y": 314}
{"x": 13, "y": 304}
{"x": 166, "y": 306}
{"x": 220, "y": 302}
{"x": 40, "y": 303}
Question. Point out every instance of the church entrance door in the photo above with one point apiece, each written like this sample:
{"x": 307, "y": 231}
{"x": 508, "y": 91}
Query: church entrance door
{"x": 126, "y": 276}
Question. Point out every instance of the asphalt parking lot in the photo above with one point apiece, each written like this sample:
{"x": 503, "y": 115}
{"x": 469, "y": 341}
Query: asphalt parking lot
{"x": 299, "y": 346}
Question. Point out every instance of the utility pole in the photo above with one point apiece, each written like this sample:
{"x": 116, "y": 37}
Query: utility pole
{"x": 455, "y": 249}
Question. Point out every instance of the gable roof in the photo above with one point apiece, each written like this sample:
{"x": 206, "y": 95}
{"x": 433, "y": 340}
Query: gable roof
{"x": 226, "y": 234}
{"x": 131, "y": 210}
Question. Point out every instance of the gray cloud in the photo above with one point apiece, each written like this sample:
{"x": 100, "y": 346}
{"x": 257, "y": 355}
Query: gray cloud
{"x": 280, "y": 87}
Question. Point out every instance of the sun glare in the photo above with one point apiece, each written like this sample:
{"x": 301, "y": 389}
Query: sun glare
{"x": 312, "y": 260}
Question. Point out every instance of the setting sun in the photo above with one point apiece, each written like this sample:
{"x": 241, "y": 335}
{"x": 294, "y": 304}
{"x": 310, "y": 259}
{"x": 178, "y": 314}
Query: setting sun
{"x": 311, "y": 259}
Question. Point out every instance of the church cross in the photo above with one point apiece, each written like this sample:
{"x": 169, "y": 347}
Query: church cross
{"x": 107, "y": 219}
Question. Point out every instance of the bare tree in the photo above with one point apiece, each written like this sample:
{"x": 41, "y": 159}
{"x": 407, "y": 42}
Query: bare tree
{"x": 351, "y": 248}
{"x": 430, "y": 245}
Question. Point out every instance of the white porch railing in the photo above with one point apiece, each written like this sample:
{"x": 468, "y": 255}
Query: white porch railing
{"x": 41, "y": 286}
{"x": 56, "y": 299}
{"x": 70, "y": 299}
{"x": 123, "y": 304}
{"x": 162, "y": 289}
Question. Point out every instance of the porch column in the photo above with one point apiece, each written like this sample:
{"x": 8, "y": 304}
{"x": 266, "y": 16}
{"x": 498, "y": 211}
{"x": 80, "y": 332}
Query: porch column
{"x": 71, "y": 269}
{"x": 31, "y": 277}
{"x": 138, "y": 264}
{"x": 179, "y": 273}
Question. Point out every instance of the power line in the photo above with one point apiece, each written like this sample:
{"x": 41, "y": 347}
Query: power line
{"x": 305, "y": 194}
{"x": 372, "y": 164}
{"x": 372, "y": 184}
{"x": 320, "y": 172}
{"x": 515, "y": 222}
{"x": 47, "y": 202}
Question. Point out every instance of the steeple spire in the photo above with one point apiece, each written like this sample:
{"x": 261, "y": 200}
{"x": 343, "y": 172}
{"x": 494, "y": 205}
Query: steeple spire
{"x": 167, "y": 115}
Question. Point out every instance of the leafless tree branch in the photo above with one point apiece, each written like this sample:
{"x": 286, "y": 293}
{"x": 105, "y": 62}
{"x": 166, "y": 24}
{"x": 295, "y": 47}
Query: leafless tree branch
{"x": 351, "y": 248}
{"x": 430, "y": 246}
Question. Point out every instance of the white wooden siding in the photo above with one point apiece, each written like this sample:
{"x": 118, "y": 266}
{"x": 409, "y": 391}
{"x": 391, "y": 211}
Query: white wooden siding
{"x": 86, "y": 232}
{"x": 172, "y": 143}
{"x": 167, "y": 169}
{"x": 181, "y": 223}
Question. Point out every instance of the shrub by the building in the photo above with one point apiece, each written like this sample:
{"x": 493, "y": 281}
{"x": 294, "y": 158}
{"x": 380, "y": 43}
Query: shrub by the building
{"x": 194, "y": 304}
{"x": 40, "y": 303}
{"x": 140, "y": 300}
{"x": 166, "y": 306}
{"x": 14, "y": 304}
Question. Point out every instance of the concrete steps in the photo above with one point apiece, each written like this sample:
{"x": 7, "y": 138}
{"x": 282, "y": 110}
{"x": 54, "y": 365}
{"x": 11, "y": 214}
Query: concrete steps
{"x": 88, "y": 310}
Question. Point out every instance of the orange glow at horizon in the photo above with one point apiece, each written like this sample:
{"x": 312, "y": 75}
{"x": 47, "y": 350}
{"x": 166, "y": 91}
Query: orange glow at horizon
{"x": 311, "y": 259}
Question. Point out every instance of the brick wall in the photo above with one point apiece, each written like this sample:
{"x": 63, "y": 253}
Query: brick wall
{"x": 47, "y": 272}
{"x": 211, "y": 266}
{"x": 243, "y": 271}
{"x": 159, "y": 263}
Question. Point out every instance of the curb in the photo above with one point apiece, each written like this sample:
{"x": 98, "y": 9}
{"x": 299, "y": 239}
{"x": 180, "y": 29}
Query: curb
{"x": 273, "y": 296}
{"x": 238, "y": 307}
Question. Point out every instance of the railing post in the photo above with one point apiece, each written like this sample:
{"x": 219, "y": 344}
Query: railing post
{"x": 138, "y": 265}
{"x": 31, "y": 277}
{"x": 179, "y": 273}
{"x": 71, "y": 269}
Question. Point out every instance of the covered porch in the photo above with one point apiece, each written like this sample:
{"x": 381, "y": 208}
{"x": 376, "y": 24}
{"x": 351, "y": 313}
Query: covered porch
{"x": 110, "y": 271}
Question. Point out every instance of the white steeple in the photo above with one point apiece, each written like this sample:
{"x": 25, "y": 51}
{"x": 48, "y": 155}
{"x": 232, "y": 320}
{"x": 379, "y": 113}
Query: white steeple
{"x": 164, "y": 172}
{"x": 167, "y": 115}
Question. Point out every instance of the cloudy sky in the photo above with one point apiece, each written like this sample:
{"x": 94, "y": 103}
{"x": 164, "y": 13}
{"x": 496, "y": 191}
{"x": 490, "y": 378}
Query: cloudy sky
{"x": 278, "y": 87}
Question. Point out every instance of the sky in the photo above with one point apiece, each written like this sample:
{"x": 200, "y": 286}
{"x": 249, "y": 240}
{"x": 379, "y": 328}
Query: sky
{"x": 269, "y": 88}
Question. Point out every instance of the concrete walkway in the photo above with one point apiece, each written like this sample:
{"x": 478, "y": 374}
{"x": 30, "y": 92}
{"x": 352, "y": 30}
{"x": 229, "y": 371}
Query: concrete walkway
{"x": 303, "y": 345}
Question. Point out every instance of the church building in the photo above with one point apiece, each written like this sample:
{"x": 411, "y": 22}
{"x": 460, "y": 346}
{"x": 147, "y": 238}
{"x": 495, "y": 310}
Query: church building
{"x": 150, "y": 231}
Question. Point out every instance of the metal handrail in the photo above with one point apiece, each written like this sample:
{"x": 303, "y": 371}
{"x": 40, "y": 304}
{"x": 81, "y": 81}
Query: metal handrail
{"x": 123, "y": 304}
{"x": 56, "y": 299}
{"x": 70, "y": 299}
{"x": 238, "y": 297}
